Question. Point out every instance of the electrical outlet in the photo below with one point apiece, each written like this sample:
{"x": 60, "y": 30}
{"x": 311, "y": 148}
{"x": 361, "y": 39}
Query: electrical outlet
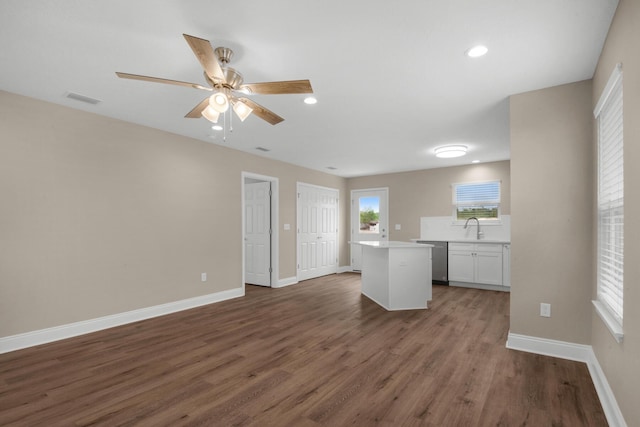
{"x": 545, "y": 309}
{"x": 398, "y": 226}
{"x": 203, "y": 277}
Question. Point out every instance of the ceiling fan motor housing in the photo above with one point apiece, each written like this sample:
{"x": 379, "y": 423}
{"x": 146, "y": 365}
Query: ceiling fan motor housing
{"x": 224, "y": 54}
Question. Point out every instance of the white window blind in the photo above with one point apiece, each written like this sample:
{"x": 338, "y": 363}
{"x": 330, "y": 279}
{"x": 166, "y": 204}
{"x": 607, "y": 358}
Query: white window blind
{"x": 479, "y": 199}
{"x": 609, "y": 118}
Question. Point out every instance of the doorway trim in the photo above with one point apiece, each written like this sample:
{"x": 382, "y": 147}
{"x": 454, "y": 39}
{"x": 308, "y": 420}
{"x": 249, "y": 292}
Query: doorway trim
{"x": 275, "y": 240}
{"x": 352, "y": 226}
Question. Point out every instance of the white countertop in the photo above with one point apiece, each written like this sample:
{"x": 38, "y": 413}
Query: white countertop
{"x": 479, "y": 241}
{"x": 391, "y": 244}
{"x": 463, "y": 241}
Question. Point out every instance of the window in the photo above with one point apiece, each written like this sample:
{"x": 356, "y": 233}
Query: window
{"x": 479, "y": 199}
{"x": 369, "y": 214}
{"x": 608, "y": 113}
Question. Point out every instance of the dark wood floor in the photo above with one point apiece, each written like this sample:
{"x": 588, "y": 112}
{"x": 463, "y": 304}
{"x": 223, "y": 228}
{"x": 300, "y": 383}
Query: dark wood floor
{"x": 317, "y": 353}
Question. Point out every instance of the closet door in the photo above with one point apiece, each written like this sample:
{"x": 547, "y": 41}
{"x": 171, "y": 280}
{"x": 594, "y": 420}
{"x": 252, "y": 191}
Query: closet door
{"x": 317, "y": 231}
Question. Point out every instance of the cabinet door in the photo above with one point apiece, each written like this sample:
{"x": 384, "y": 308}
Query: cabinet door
{"x": 461, "y": 266}
{"x": 488, "y": 268}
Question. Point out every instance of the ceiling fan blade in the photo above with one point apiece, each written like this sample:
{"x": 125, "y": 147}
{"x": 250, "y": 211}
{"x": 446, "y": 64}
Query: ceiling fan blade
{"x": 196, "y": 113}
{"x": 274, "y": 88}
{"x": 260, "y": 111}
{"x": 159, "y": 80}
{"x": 204, "y": 52}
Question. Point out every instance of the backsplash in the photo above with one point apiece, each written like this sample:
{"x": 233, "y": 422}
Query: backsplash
{"x": 445, "y": 229}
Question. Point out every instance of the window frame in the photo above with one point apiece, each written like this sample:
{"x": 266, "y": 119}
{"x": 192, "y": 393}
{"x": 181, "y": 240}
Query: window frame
{"x": 456, "y": 204}
{"x": 610, "y": 204}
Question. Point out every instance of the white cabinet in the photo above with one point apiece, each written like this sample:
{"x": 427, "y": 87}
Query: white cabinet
{"x": 396, "y": 275}
{"x": 476, "y": 263}
{"x": 461, "y": 266}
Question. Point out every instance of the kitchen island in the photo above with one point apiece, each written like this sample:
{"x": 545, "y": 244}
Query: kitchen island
{"x": 396, "y": 275}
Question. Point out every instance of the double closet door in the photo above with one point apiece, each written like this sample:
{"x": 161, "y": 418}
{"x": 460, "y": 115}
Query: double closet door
{"x": 317, "y": 231}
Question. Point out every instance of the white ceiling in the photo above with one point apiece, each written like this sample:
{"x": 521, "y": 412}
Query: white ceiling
{"x": 391, "y": 78}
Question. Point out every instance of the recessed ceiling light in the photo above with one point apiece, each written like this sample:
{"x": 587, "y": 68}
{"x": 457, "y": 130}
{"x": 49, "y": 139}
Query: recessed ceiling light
{"x": 477, "y": 51}
{"x": 449, "y": 151}
{"x": 216, "y": 127}
{"x": 310, "y": 100}
{"x": 475, "y": 161}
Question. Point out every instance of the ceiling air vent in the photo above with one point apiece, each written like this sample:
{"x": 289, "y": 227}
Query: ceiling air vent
{"x": 332, "y": 168}
{"x": 263, "y": 149}
{"x": 82, "y": 98}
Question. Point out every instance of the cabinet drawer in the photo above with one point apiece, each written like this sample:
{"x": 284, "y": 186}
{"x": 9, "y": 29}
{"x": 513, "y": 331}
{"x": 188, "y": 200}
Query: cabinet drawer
{"x": 488, "y": 247}
{"x": 462, "y": 246}
{"x": 475, "y": 247}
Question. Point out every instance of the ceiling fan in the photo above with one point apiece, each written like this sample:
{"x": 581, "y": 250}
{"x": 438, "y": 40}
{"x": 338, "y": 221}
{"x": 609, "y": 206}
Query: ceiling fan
{"x": 227, "y": 85}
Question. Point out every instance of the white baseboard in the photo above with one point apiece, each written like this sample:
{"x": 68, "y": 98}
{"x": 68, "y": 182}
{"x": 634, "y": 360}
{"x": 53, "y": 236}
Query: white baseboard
{"x": 345, "y": 269}
{"x": 547, "y": 347}
{"x": 579, "y": 353}
{"x": 56, "y": 333}
{"x": 499, "y": 288}
{"x": 607, "y": 398}
{"x": 287, "y": 281}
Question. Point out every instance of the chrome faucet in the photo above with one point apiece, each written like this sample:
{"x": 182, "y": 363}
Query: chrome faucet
{"x": 477, "y": 223}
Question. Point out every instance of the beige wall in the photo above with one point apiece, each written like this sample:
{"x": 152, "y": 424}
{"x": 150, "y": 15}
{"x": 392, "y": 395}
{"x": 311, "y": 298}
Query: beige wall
{"x": 428, "y": 192}
{"x": 621, "y": 362}
{"x": 100, "y": 216}
{"x": 553, "y": 160}
{"x": 551, "y": 212}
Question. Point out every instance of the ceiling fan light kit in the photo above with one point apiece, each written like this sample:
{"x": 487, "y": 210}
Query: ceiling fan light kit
{"x": 226, "y": 83}
{"x": 242, "y": 110}
{"x": 219, "y": 102}
{"x": 211, "y": 114}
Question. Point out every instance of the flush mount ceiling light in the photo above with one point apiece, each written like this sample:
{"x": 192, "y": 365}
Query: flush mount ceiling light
{"x": 310, "y": 100}
{"x": 449, "y": 151}
{"x": 477, "y": 51}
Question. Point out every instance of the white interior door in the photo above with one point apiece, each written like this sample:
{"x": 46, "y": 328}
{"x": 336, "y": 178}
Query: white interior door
{"x": 369, "y": 220}
{"x": 257, "y": 239}
{"x": 317, "y": 231}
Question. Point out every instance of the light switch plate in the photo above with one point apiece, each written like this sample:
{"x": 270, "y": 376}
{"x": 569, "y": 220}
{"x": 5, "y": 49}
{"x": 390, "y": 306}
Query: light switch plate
{"x": 398, "y": 227}
{"x": 203, "y": 277}
{"x": 287, "y": 226}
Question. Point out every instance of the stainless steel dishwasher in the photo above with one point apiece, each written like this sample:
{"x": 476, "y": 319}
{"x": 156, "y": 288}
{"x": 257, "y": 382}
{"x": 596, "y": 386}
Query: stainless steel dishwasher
{"x": 439, "y": 262}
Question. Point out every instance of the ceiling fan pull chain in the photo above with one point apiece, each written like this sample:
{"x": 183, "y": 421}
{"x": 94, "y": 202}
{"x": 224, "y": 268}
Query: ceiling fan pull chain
{"x": 230, "y": 120}
{"x": 224, "y": 127}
